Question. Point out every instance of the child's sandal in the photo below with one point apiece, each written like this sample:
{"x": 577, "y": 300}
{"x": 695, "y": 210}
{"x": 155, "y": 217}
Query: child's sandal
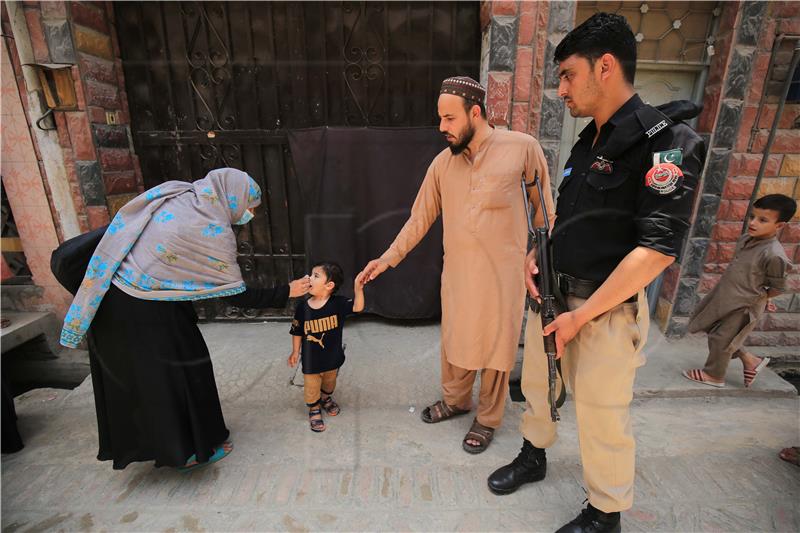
{"x": 317, "y": 424}
{"x": 330, "y": 406}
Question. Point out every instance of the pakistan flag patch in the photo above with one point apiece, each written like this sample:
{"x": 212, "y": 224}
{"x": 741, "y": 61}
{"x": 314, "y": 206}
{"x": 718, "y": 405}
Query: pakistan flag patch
{"x": 674, "y": 156}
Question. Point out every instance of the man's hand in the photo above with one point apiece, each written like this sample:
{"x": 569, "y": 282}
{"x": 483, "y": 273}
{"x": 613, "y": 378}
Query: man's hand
{"x": 565, "y": 326}
{"x": 531, "y": 269}
{"x": 293, "y": 358}
{"x": 374, "y": 268}
{"x": 299, "y": 287}
{"x": 771, "y": 307}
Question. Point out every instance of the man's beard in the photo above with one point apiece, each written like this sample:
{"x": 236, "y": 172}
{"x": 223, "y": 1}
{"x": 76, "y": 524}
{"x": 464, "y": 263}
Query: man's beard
{"x": 466, "y": 138}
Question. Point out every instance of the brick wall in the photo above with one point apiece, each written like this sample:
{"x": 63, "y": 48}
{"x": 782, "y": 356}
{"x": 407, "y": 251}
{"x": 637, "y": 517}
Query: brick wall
{"x": 95, "y": 139}
{"x": 733, "y": 100}
{"x": 520, "y": 76}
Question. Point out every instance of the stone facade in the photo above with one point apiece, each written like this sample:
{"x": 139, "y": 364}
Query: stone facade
{"x": 88, "y": 156}
{"x": 95, "y": 138}
{"x": 738, "y": 77}
{"x": 521, "y": 78}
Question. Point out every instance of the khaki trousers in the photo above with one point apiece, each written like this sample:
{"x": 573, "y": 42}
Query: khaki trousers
{"x": 599, "y": 366}
{"x": 724, "y": 341}
{"x": 314, "y": 384}
{"x": 457, "y": 392}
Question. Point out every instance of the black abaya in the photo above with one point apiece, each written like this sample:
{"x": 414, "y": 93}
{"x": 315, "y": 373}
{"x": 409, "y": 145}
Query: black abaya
{"x": 154, "y": 387}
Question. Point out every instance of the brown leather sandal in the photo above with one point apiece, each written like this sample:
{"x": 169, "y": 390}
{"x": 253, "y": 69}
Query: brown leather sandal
{"x": 440, "y": 411}
{"x": 478, "y": 432}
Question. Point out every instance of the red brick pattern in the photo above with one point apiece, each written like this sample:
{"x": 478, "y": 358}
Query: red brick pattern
{"x": 120, "y": 182}
{"x": 782, "y": 172}
{"x": 115, "y": 159}
{"x": 504, "y": 8}
{"x": 519, "y": 108}
{"x": 98, "y": 216}
{"x": 103, "y": 84}
{"x": 498, "y": 99}
{"x": 90, "y": 16}
{"x": 33, "y": 17}
{"x": 80, "y": 136}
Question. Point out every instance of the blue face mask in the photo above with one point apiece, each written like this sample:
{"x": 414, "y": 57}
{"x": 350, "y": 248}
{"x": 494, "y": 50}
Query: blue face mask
{"x": 246, "y": 217}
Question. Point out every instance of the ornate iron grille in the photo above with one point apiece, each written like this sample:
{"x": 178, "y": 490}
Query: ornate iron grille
{"x": 667, "y": 31}
{"x": 215, "y": 84}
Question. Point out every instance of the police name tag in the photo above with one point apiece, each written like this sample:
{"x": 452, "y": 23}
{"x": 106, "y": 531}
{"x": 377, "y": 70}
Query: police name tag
{"x": 674, "y": 156}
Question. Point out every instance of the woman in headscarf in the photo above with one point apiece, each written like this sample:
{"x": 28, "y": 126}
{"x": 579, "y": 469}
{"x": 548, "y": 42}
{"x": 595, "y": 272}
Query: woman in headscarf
{"x": 154, "y": 387}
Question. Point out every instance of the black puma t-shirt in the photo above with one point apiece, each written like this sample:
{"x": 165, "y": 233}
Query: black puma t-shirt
{"x": 321, "y": 330}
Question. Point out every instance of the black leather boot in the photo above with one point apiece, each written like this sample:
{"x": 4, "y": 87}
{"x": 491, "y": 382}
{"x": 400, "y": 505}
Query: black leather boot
{"x": 593, "y": 520}
{"x": 530, "y": 465}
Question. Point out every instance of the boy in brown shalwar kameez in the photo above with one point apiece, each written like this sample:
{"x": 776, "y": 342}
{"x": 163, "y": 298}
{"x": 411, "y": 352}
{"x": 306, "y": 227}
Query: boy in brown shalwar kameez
{"x": 476, "y": 186}
{"x": 731, "y": 310}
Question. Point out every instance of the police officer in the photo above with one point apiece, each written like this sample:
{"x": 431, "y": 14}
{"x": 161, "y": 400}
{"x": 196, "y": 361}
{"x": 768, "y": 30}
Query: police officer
{"x": 623, "y": 210}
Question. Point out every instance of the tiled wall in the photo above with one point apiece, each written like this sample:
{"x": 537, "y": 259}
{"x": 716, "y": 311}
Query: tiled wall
{"x": 23, "y": 183}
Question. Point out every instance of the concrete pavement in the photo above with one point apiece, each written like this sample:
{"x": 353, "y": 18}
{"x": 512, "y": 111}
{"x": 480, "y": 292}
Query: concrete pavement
{"x": 706, "y": 458}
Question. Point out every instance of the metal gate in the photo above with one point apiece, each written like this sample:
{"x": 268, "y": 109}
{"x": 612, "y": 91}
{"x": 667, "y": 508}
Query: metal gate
{"x": 213, "y": 84}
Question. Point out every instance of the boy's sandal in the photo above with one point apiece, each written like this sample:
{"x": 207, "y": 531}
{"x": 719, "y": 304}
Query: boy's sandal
{"x": 751, "y": 375}
{"x": 440, "y": 411}
{"x": 330, "y": 406}
{"x": 220, "y": 452}
{"x": 317, "y": 424}
{"x": 479, "y": 433}
{"x": 697, "y": 376}
{"x": 791, "y": 455}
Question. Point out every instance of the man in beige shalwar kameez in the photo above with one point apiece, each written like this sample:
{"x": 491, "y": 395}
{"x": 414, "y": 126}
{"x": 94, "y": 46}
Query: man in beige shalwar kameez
{"x": 476, "y": 186}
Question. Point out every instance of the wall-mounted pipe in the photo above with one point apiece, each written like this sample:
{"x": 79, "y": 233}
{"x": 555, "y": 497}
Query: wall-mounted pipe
{"x": 765, "y": 157}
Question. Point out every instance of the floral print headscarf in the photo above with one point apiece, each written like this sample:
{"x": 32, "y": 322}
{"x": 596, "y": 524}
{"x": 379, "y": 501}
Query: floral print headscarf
{"x": 173, "y": 242}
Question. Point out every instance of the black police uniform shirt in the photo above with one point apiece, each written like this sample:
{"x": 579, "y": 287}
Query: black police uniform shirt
{"x": 321, "y": 329}
{"x": 613, "y": 196}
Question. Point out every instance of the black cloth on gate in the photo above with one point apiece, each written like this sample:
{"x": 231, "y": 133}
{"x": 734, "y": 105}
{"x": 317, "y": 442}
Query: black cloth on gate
{"x": 154, "y": 388}
{"x": 321, "y": 330}
{"x": 358, "y": 185}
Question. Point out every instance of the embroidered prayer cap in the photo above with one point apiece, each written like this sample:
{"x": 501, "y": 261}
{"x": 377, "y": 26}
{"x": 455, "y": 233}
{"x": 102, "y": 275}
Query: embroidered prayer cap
{"x": 465, "y": 87}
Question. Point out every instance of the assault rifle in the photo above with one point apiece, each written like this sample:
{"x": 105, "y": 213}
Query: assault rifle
{"x": 545, "y": 281}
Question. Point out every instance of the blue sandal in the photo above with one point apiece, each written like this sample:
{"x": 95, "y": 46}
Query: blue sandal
{"x": 219, "y": 453}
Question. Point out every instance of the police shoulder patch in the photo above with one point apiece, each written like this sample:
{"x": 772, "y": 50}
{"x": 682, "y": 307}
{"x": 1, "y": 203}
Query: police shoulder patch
{"x": 663, "y": 179}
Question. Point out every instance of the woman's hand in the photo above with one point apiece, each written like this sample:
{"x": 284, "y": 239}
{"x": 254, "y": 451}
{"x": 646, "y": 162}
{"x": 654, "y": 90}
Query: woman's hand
{"x": 293, "y": 358}
{"x": 299, "y": 287}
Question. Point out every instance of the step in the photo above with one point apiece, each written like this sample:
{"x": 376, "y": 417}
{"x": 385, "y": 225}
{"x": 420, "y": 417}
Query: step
{"x": 26, "y": 326}
{"x": 661, "y": 376}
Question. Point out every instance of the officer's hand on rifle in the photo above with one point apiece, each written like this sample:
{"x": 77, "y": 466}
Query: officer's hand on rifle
{"x": 531, "y": 270}
{"x": 566, "y": 326}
